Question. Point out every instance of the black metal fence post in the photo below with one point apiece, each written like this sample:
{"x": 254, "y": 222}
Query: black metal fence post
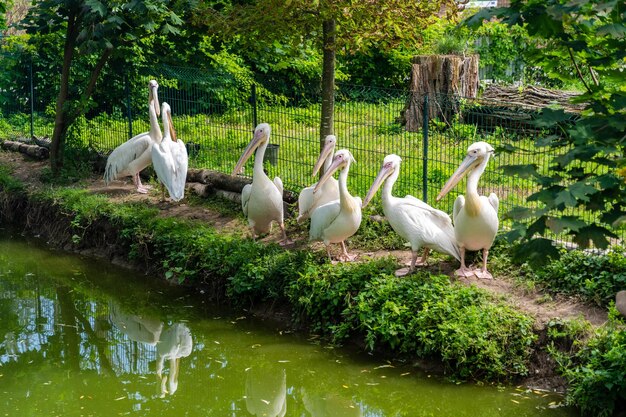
{"x": 254, "y": 109}
{"x": 129, "y": 114}
{"x": 32, "y": 99}
{"x": 425, "y": 149}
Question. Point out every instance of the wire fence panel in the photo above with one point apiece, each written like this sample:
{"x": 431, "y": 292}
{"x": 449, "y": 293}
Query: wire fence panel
{"x": 215, "y": 116}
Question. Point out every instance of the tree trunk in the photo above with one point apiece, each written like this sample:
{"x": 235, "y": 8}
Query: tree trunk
{"x": 444, "y": 79}
{"x": 61, "y": 120}
{"x": 328, "y": 82}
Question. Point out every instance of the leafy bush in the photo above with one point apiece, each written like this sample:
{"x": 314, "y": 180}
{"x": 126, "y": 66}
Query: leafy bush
{"x": 597, "y": 372}
{"x": 426, "y": 316}
{"x": 595, "y": 278}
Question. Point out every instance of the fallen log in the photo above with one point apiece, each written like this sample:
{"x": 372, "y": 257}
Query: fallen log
{"x": 201, "y": 190}
{"x": 34, "y": 151}
{"x": 221, "y": 181}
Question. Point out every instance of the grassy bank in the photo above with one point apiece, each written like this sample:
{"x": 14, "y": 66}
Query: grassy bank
{"x": 470, "y": 332}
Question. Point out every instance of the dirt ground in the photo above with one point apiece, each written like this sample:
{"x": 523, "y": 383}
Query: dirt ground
{"x": 534, "y": 302}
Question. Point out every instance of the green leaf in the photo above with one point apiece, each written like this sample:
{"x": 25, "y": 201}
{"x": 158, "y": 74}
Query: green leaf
{"x": 97, "y": 7}
{"x": 566, "y": 198}
{"x": 614, "y": 30}
{"x": 536, "y": 251}
{"x": 523, "y": 171}
{"x": 559, "y": 224}
{"x": 595, "y": 234}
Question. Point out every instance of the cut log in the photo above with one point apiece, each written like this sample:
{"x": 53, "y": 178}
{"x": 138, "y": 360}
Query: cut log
{"x": 444, "y": 79}
{"x": 33, "y": 151}
{"x": 201, "y": 190}
{"x": 221, "y": 181}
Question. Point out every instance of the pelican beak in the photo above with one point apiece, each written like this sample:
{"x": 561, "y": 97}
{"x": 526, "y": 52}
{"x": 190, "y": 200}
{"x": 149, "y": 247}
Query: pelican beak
{"x": 335, "y": 166}
{"x": 328, "y": 149}
{"x": 172, "y": 131}
{"x": 254, "y": 143}
{"x": 155, "y": 100}
{"x": 380, "y": 178}
{"x": 467, "y": 165}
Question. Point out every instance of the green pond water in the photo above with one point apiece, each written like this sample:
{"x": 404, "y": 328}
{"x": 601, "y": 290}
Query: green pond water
{"x": 79, "y": 337}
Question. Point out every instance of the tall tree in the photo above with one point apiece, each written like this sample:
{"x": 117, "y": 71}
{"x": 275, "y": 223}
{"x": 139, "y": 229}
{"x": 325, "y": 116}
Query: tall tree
{"x": 588, "y": 36}
{"x": 335, "y": 25}
{"x": 96, "y": 29}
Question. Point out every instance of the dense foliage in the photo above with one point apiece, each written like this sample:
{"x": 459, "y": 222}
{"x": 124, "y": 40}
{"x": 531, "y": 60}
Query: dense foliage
{"x": 596, "y": 371}
{"x": 593, "y": 277}
{"x": 589, "y": 35}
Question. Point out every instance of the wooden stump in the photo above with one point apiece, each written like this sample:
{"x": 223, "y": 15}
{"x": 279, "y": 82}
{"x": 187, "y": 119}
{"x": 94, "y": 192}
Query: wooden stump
{"x": 444, "y": 79}
{"x": 620, "y": 302}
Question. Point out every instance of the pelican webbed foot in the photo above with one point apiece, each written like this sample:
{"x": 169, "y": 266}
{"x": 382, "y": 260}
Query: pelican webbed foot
{"x": 464, "y": 272}
{"x": 483, "y": 274}
{"x": 345, "y": 256}
{"x": 403, "y": 272}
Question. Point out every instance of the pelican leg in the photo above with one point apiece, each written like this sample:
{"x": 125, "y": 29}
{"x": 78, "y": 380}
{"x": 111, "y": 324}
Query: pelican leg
{"x": 422, "y": 261}
{"x": 463, "y": 271}
{"x": 483, "y": 273}
{"x": 143, "y": 189}
{"x": 137, "y": 181}
{"x": 344, "y": 253}
{"x": 285, "y": 240}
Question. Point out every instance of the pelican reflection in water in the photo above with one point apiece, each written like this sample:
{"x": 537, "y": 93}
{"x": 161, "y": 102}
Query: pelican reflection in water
{"x": 266, "y": 391}
{"x": 172, "y": 344}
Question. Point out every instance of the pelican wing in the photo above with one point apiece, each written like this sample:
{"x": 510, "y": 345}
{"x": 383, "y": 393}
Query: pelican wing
{"x": 163, "y": 164}
{"x": 458, "y": 205}
{"x": 306, "y": 200}
{"x": 181, "y": 162}
{"x": 279, "y": 184}
{"x": 494, "y": 201}
{"x": 245, "y": 198}
{"x": 439, "y": 217}
{"x": 432, "y": 227}
{"x": 322, "y": 218}
{"x": 119, "y": 161}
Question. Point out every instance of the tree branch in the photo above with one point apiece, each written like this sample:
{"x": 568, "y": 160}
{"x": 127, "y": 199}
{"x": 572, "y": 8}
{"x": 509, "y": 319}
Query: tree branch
{"x": 94, "y": 77}
{"x": 580, "y": 75}
{"x": 593, "y": 75}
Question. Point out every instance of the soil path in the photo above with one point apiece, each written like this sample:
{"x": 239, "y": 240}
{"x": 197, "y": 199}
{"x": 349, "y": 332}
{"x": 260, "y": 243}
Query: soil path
{"x": 533, "y": 302}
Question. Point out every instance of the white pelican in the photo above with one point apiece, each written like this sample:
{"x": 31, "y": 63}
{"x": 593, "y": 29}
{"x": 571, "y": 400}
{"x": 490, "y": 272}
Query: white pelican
{"x": 134, "y": 155}
{"x": 262, "y": 201}
{"x": 411, "y": 218}
{"x": 308, "y": 201}
{"x": 336, "y": 221}
{"x": 138, "y": 328}
{"x": 475, "y": 217}
{"x": 169, "y": 158}
{"x": 175, "y": 343}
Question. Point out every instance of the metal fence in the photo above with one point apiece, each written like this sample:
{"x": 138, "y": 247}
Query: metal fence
{"x": 215, "y": 117}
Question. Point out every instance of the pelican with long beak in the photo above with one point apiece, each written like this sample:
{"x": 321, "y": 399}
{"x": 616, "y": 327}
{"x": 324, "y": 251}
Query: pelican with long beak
{"x": 475, "y": 217}
{"x": 336, "y": 221}
{"x": 134, "y": 155}
{"x": 261, "y": 201}
{"x": 308, "y": 201}
{"x": 411, "y": 218}
{"x": 170, "y": 159}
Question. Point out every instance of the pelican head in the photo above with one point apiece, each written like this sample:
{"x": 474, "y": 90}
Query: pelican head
{"x": 261, "y": 137}
{"x": 391, "y": 164}
{"x": 342, "y": 160}
{"x": 329, "y": 147}
{"x": 167, "y": 121}
{"x": 153, "y": 87}
{"x": 478, "y": 153}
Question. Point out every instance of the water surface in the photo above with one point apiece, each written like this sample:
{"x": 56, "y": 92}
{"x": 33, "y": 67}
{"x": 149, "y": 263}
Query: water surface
{"x": 79, "y": 337}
